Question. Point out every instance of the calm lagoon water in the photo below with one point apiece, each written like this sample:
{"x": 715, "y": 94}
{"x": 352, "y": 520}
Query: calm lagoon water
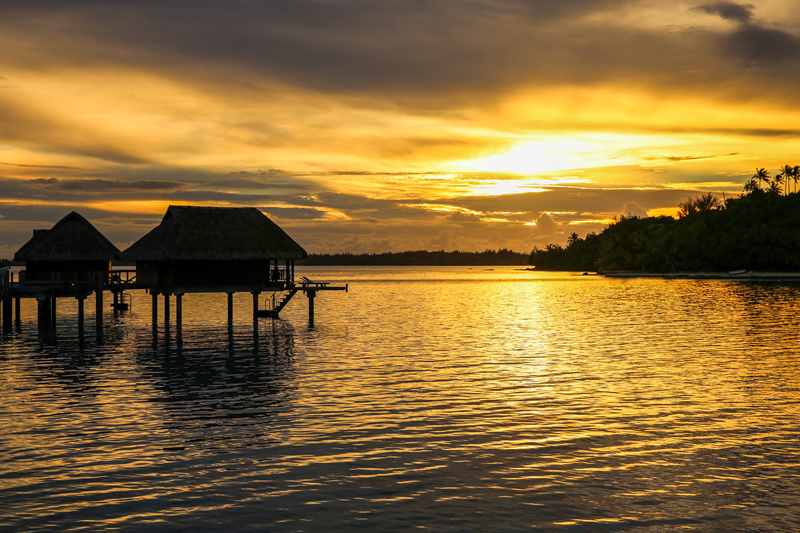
{"x": 441, "y": 399}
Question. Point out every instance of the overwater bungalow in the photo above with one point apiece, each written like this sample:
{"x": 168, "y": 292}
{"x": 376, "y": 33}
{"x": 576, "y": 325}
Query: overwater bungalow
{"x": 72, "y": 250}
{"x": 70, "y": 259}
{"x": 214, "y": 249}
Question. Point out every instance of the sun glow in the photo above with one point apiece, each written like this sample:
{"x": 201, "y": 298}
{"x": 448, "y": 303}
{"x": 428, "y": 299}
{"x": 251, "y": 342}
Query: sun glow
{"x": 138, "y": 207}
{"x": 566, "y": 152}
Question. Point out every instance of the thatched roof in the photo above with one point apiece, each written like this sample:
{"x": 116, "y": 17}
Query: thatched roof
{"x": 73, "y": 238}
{"x": 214, "y": 234}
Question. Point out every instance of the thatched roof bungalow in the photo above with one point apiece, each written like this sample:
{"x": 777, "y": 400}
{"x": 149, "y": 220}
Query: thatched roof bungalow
{"x": 72, "y": 246}
{"x": 207, "y": 249}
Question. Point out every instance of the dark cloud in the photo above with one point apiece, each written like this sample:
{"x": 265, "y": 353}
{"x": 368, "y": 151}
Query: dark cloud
{"x": 40, "y": 167}
{"x": 742, "y": 13}
{"x": 425, "y": 55}
{"x": 271, "y": 179}
{"x": 575, "y": 200}
{"x": 97, "y": 185}
{"x": 349, "y": 202}
{"x": 752, "y": 43}
{"x": 762, "y": 46}
{"x": 406, "y": 50}
{"x": 295, "y": 213}
{"x": 677, "y": 158}
{"x": 76, "y": 191}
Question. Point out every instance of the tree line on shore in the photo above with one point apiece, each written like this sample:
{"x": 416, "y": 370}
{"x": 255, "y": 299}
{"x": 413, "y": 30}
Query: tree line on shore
{"x": 502, "y": 257}
{"x": 758, "y": 230}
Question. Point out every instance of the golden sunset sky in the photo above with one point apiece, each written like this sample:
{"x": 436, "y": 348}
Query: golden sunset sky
{"x": 363, "y": 126}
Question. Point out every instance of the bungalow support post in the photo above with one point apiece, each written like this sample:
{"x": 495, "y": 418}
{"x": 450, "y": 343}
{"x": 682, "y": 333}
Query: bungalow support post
{"x": 166, "y": 316}
{"x": 80, "y": 315}
{"x": 179, "y": 315}
{"x": 230, "y": 312}
{"x": 255, "y": 313}
{"x": 311, "y": 295}
{"x": 99, "y": 305}
{"x": 7, "y": 309}
{"x": 44, "y": 309}
{"x": 154, "y": 297}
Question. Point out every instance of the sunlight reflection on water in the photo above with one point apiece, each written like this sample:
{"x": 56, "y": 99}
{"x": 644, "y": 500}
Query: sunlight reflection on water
{"x": 448, "y": 399}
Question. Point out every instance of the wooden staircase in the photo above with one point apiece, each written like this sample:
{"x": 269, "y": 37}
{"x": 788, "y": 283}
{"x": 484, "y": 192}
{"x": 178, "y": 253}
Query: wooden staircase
{"x": 285, "y": 300}
{"x": 275, "y": 311}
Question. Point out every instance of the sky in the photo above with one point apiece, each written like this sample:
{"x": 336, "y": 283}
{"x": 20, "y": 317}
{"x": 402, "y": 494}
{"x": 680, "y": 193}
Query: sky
{"x": 362, "y": 126}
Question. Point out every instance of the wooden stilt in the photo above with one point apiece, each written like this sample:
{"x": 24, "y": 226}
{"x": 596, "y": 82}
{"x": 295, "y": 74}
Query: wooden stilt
{"x": 80, "y": 317}
{"x": 255, "y": 313}
{"x": 154, "y": 297}
{"x": 17, "y": 311}
{"x": 53, "y": 309}
{"x": 230, "y": 311}
{"x": 7, "y": 312}
{"x": 43, "y": 305}
{"x": 179, "y": 317}
{"x": 311, "y": 296}
{"x": 166, "y": 316}
{"x": 99, "y": 307}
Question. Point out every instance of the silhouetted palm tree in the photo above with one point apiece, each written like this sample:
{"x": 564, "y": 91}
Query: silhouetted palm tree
{"x": 749, "y": 186}
{"x": 573, "y": 239}
{"x": 704, "y": 202}
{"x": 761, "y": 175}
{"x": 786, "y": 174}
{"x": 707, "y": 201}
{"x": 795, "y": 176}
{"x": 778, "y": 181}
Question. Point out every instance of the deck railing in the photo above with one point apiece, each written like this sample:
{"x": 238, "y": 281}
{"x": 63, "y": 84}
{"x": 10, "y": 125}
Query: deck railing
{"x": 83, "y": 280}
{"x": 279, "y": 274}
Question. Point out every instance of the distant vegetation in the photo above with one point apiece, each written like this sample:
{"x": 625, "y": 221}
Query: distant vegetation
{"x": 501, "y": 257}
{"x": 759, "y": 231}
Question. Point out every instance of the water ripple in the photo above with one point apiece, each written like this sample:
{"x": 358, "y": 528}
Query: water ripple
{"x": 444, "y": 399}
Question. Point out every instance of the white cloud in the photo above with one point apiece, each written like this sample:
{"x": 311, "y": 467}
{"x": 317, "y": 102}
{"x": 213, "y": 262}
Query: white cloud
{"x": 632, "y": 209}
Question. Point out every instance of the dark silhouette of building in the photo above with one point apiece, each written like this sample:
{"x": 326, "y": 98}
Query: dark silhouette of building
{"x": 72, "y": 250}
{"x": 214, "y": 249}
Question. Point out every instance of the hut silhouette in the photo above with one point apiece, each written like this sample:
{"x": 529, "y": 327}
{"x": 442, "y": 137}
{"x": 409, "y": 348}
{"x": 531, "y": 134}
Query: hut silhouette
{"x": 73, "y": 249}
{"x": 70, "y": 259}
{"x": 214, "y": 249}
